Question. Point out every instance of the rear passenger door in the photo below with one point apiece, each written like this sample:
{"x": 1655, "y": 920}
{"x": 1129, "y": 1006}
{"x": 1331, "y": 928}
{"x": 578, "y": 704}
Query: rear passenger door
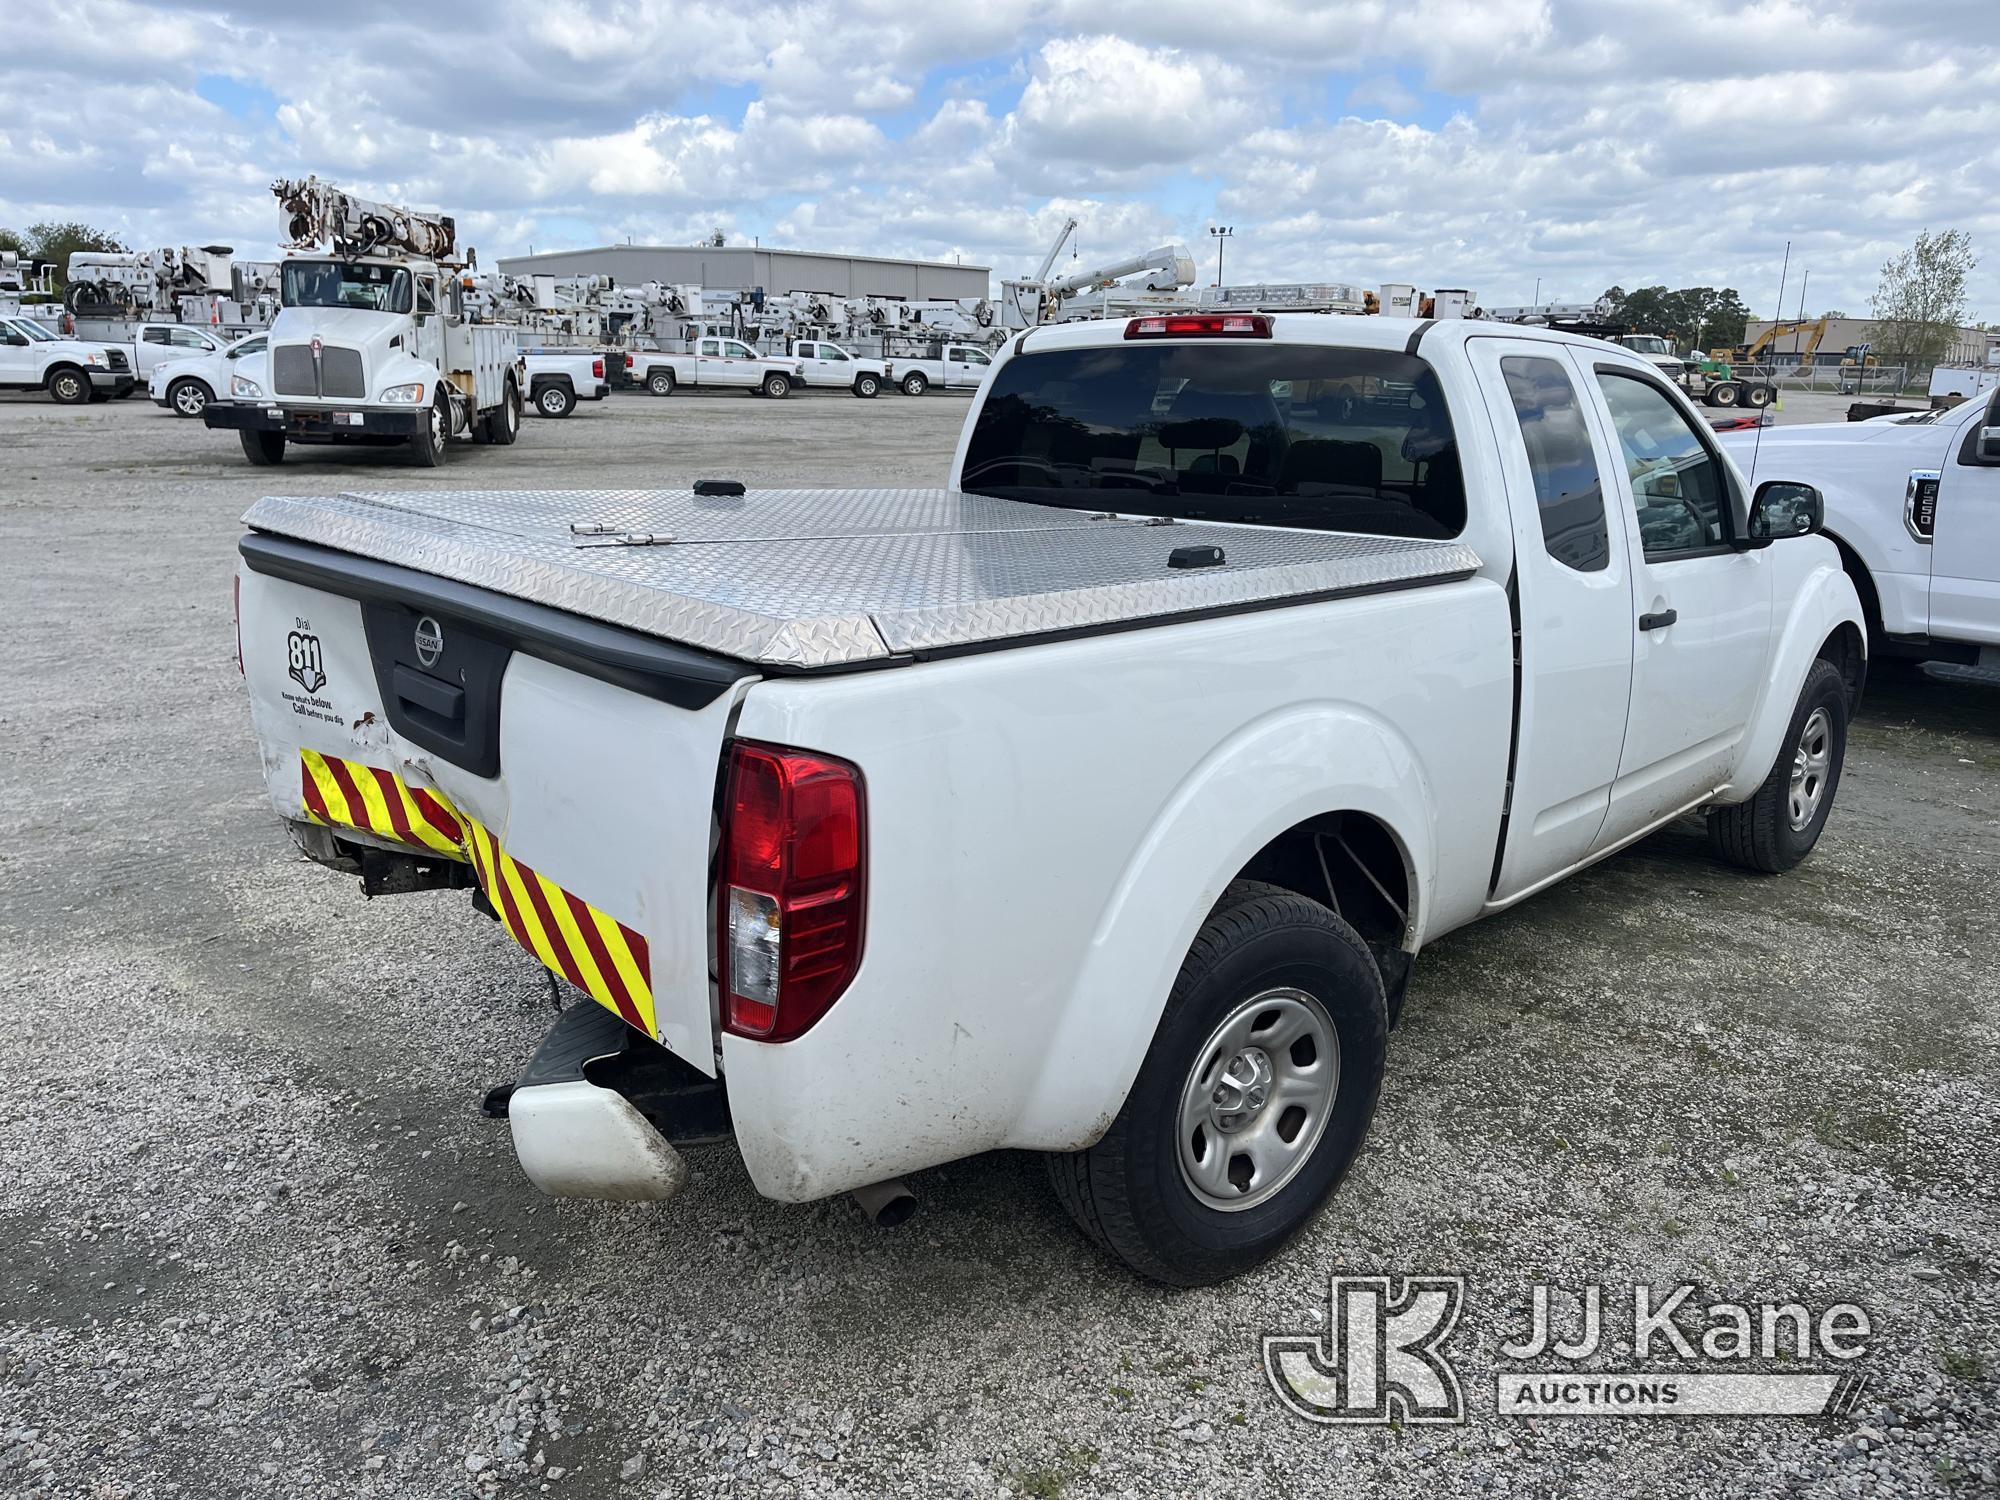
{"x": 1572, "y": 588}
{"x": 1703, "y": 609}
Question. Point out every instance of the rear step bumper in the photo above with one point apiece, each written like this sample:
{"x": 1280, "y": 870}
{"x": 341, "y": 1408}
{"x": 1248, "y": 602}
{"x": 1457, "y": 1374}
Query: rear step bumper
{"x": 600, "y": 1109}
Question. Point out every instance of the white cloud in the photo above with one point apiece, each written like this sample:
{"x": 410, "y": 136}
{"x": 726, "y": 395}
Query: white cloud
{"x": 1459, "y": 142}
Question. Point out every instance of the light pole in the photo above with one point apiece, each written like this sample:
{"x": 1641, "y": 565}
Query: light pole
{"x": 1219, "y": 234}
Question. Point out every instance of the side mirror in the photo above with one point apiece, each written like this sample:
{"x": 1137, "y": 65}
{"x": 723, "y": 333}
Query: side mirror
{"x": 17, "y": 340}
{"x": 1989, "y": 444}
{"x": 1782, "y": 508}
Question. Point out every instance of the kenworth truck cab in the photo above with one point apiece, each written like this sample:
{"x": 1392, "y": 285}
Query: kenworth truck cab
{"x": 372, "y": 344}
{"x": 1093, "y": 804}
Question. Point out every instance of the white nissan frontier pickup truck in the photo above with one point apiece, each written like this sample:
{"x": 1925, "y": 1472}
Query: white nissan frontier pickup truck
{"x": 1094, "y": 804}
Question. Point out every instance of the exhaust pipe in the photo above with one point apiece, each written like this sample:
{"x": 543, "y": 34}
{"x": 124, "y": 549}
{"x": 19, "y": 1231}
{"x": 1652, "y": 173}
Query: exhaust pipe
{"x": 887, "y": 1204}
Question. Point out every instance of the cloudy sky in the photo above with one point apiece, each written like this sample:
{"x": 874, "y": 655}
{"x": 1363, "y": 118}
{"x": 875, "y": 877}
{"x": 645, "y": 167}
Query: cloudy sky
{"x": 1485, "y": 144}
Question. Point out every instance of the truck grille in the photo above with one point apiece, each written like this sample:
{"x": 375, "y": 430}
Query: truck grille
{"x": 119, "y": 364}
{"x": 339, "y": 372}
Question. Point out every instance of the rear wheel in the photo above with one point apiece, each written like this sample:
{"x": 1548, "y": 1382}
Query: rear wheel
{"x": 1757, "y": 395}
{"x": 1722, "y": 394}
{"x": 188, "y": 397}
{"x": 777, "y": 387}
{"x": 914, "y": 383}
{"x": 554, "y": 400}
{"x": 68, "y": 386}
{"x": 503, "y": 423}
{"x": 661, "y": 382}
{"x": 1252, "y": 1101}
{"x": 263, "y": 449}
{"x": 427, "y": 442}
{"x": 866, "y": 386}
{"x": 1778, "y": 827}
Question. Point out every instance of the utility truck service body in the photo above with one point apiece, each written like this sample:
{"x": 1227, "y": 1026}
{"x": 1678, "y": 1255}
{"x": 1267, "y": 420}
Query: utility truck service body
{"x": 1095, "y": 804}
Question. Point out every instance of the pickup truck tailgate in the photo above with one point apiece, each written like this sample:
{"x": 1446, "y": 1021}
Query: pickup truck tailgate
{"x": 570, "y": 767}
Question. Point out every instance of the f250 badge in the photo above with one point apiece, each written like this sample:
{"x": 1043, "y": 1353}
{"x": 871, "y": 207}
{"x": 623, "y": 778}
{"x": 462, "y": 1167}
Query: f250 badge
{"x": 302, "y": 652}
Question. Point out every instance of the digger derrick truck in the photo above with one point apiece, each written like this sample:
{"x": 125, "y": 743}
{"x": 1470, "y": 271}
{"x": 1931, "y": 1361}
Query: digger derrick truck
{"x": 374, "y": 344}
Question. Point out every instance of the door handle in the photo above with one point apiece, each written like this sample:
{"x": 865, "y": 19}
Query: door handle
{"x": 1659, "y": 621}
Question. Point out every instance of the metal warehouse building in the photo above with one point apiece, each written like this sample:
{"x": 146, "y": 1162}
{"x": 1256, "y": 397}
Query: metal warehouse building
{"x": 743, "y": 267}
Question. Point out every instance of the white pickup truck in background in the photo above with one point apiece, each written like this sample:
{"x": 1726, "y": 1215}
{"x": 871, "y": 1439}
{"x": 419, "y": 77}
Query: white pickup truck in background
{"x": 828, "y": 366}
{"x": 1913, "y": 502}
{"x": 950, "y": 367}
{"x": 72, "y": 372}
{"x": 559, "y": 378}
{"x": 186, "y": 386}
{"x": 1096, "y": 804}
{"x": 713, "y": 362}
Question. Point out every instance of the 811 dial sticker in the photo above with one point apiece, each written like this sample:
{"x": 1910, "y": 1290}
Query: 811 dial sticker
{"x": 303, "y": 661}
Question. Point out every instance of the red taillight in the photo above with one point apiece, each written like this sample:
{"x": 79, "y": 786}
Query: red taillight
{"x": 236, "y": 607}
{"x": 1201, "y": 326}
{"x": 791, "y": 900}
{"x": 597, "y": 369}
{"x": 631, "y": 361}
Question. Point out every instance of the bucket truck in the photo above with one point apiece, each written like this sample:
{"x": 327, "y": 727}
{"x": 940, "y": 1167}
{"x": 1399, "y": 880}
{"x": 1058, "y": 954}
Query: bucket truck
{"x": 373, "y": 344}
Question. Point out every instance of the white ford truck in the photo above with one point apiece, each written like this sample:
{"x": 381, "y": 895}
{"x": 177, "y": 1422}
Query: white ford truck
{"x": 712, "y": 361}
{"x": 71, "y": 371}
{"x": 1095, "y": 804}
{"x": 829, "y": 366}
{"x": 1913, "y": 503}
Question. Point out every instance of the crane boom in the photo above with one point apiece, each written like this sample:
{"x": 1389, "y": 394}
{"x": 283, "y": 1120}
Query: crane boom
{"x": 1173, "y": 265}
{"x": 316, "y": 213}
{"x": 1049, "y": 260}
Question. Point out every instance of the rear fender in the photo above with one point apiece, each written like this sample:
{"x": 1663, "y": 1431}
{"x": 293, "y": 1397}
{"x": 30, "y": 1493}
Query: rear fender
{"x": 1823, "y": 599}
{"x": 1270, "y": 777}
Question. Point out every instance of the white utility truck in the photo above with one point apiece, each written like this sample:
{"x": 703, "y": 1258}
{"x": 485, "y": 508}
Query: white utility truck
{"x": 712, "y": 360}
{"x": 829, "y": 366}
{"x": 949, "y": 367}
{"x": 70, "y": 370}
{"x": 372, "y": 345}
{"x": 559, "y": 378}
{"x": 1913, "y": 502}
{"x": 1094, "y": 804}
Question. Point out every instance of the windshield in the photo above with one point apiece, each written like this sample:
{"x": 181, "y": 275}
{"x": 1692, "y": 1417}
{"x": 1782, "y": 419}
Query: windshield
{"x": 1266, "y": 433}
{"x": 34, "y": 331}
{"x": 1647, "y": 344}
{"x": 329, "y": 283}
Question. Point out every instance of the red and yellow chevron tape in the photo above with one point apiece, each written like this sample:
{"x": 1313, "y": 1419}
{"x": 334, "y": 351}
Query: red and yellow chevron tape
{"x": 594, "y": 951}
{"x": 348, "y": 794}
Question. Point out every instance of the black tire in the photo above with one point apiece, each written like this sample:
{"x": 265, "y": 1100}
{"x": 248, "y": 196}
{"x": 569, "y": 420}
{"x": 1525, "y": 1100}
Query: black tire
{"x": 867, "y": 386}
{"x": 1723, "y": 393}
{"x": 1760, "y": 834}
{"x": 188, "y": 397}
{"x": 776, "y": 386}
{"x": 661, "y": 382}
{"x": 503, "y": 423}
{"x": 68, "y": 386}
{"x": 915, "y": 383}
{"x": 555, "y": 400}
{"x": 1757, "y": 395}
{"x": 1129, "y": 1192}
{"x": 263, "y": 449}
{"x": 428, "y": 442}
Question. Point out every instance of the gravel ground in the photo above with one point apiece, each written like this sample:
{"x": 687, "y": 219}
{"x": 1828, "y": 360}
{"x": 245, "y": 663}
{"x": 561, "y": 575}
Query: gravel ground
{"x": 256, "y": 1238}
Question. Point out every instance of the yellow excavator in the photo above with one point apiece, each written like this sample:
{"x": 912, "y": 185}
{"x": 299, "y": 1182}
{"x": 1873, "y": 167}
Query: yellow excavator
{"x": 1747, "y": 354}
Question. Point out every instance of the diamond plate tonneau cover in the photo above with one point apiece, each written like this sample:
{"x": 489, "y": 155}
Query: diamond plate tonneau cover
{"x": 823, "y": 578}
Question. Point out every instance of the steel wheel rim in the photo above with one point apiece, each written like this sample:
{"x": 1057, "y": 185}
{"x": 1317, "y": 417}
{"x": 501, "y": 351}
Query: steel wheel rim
{"x": 1812, "y": 765}
{"x": 1257, "y": 1099}
{"x": 437, "y": 427}
{"x": 68, "y": 385}
{"x": 552, "y": 402}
